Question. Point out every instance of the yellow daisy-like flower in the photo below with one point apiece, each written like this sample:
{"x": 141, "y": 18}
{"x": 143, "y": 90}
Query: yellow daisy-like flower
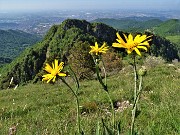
{"x": 96, "y": 50}
{"x": 53, "y": 71}
{"x": 139, "y": 42}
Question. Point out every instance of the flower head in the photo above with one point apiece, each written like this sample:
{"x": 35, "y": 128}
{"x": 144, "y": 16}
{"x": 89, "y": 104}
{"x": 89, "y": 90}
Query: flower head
{"x": 139, "y": 42}
{"x": 53, "y": 71}
{"x": 96, "y": 50}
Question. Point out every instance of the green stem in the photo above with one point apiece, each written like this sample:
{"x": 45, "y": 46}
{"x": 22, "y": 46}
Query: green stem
{"x": 135, "y": 105}
{"x": 77, "y": 102}
{"x": 105, "y": 75}
{"x": 99, "y": 76}
{"x": 113, "y": 112}
{"x": 74, "y": 77}
{"x": 104, "y": 84}
{"x": 135, "y": 78}
{"x": 135, "y": 95}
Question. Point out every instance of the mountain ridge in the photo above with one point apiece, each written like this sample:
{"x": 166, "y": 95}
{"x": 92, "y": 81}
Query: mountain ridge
{"x": 128, "y": 24}
{"x": 61, "y": 42}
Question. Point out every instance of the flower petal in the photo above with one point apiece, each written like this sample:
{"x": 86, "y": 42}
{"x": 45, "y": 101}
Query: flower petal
{"x": 125, "y": 37}
{"x": 61, "y": 74}
{"x": 48, "y": 68}
{"x": 60, "y": 67}
{"x": 136, "y": 39}
{"x": 118, "y": 45}
{"x": 142, "y": 47}
{"x": 119, "y": 37}
{"x": 130, "y": 37}
{"x": 52, "y": 65}
{"x": 54, "y": 78}
{"x": 47, "y": 77}
{"x": 96, "y": 45}
{"x": 144, "y": 44}
{"x": 137, "y": 51}
{"x": 56, "y": 64}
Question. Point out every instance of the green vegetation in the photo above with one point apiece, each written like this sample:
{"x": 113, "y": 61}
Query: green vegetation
{"x": 13, "y": 42}
{"x": 174, "y": 39}
{"x": 35, "y": 107}
{"x": 130, "y": 25}
{"x": 168, "y": 28}
{"x": 65, "y": 42}
{"x": 50, "y": 109}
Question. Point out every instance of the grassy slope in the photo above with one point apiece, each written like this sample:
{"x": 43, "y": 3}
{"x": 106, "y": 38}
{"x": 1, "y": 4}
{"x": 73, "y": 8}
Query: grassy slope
{"x": 168, "y": 28}
{"x": 50, "y": 109}
{"x": 174, "y": 39}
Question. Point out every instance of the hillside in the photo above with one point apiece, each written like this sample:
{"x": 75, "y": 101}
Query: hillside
{"x": 13, "y": 42}
{"x": 168, "y": 28}
{"x": 47, "y": 109}
{"x": 65, "y": 42}
{"x": 130, "y": 25}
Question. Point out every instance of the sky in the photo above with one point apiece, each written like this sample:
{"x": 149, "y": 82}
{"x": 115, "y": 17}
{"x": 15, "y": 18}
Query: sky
{"x": 25, "y": 5}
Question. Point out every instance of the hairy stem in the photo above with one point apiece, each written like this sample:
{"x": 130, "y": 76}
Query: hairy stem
{"x": 135, "y": 105}
{"x": 104, "y": 85}
{"x": 135, "y": 95}
{"x": 77, "y": 103}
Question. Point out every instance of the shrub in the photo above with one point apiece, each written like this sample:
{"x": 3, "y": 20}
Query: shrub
{"x": 81, "y": 61}
{"x": 112, "y": 61}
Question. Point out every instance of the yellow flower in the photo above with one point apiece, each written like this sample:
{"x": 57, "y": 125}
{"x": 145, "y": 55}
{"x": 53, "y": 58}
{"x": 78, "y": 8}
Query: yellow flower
{"x": 96, "y": 50}
{"x": 53, "y": 71}
{"x": 139, "y": 42}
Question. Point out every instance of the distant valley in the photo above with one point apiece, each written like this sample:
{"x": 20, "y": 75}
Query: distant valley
{"x": 13, "y": 42}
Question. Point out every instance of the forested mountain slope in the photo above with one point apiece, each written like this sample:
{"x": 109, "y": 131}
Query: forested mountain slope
{"x": 13, "y": 42}
{"x": 69, "y": 42}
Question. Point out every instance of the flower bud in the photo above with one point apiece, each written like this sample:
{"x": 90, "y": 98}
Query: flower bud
{"x": 142, "y": 71}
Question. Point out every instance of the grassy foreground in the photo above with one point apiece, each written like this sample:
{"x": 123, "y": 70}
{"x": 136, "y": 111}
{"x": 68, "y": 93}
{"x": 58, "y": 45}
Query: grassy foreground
{"x": 46, "y": 109}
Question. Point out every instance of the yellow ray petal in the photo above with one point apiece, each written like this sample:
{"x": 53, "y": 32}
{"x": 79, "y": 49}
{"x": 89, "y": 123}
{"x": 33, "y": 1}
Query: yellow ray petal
{"x": 56, "y": 64}
{"x": 144, "y": 44}
{"x": 118, "y": 45}
{"x": 62, "y": 74}
{"x": 54, "y": 78}
{"x": 137, "y": 51}
{"x": 142, "y": 47}
{"x": 60, "y": 67}
{"x": 119, "y": 37}
{"x": 96, "y": 45}
{"x": 92, "y": 47}
{"x": 48, "y": 68}
{"x": 118, "y": 40}
{"x": 49, "y": 79}
{"x": 143, "y": 37}
{"x": 130, "y": 37}
{"x": 52, "y": 65}
{"x": 125, "y": 37}
{"x": 136, "y": 39}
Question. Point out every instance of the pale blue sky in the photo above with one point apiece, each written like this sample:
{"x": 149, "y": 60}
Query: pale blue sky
{"x": 88, "y": 4}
